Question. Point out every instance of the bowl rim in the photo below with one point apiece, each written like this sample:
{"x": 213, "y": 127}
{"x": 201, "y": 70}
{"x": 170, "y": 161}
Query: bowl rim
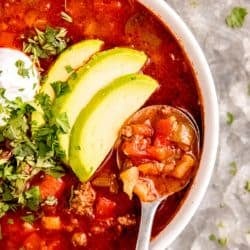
{"x": 211, "y": 121}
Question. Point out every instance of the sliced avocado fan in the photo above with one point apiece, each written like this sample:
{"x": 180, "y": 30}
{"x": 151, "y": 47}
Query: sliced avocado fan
{"x": 102, "y": 69}
{"x": 97, "y": 126}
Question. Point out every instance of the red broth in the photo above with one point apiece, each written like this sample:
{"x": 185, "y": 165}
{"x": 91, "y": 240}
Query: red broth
{"x": 118, "y": 23}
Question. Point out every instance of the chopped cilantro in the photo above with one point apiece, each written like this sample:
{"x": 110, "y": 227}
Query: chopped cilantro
{"x": 220, "y": 241}
{"x": 30, "y": 153}
{"x": 66, "y": 17}
{"x": 32, "y": 198}
{"x": 1, "y": 72}
{"x": 212, "y": 237}
{"x": 233, "y": 168}
{"x": 21, "y": 89}
{"x": 3, "y": 208}
{"x": 69, "y": 69}
{"x": 30, "y": 218}
{"x": 63, "y": 122}
{"x": 230, "y": 118}
{"x": 237, "y": 17}
{"x": 73, "y": 76}
{"x": 60, "y": 88}
{"x": 247, "y": 186}
{"x": 21, "y": 70}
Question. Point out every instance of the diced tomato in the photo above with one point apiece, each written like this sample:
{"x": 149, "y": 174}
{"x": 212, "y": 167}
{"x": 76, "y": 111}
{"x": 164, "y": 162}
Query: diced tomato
{"x": 7, "y": 39}
{"x": 51, "y": 186}
{"x": 34, "y": 242}
{"x": 164, "y": 127}
{"x": 105, "y": 208}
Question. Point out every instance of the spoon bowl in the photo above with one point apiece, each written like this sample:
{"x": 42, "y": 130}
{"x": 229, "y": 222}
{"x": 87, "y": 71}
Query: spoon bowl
{"x": 172, "y": 184}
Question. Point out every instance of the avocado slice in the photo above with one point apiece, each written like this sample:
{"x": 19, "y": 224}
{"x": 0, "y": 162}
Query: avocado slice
{"x": 69, "y": 60}
{"x": 97, "y": 126}
{"x": 102, "y": 69}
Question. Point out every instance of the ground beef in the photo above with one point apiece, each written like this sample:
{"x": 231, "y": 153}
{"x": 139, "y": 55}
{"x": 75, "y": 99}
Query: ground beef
{"x": 83, "y": 200}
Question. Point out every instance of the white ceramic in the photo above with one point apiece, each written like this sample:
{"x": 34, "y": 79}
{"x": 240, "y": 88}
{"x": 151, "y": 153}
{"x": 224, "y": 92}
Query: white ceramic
{"x": 211, "y": 121}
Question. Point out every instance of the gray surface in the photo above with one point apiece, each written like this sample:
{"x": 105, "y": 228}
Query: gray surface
{"x": 225, "y": 210}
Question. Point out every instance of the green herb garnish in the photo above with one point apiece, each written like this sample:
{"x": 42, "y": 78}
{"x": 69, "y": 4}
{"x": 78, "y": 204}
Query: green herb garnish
{"x": 230, "y": 118}
{"x": 69, "y": 69}
{"x": 60, "y": 88}
{"x": 46, "y": 43}
{"x": 221, "y": 241}
{"x": 21, "y": 70}
{"x": 31, "y": 153}
{"x": 66, "y": 17}
{"x": 212, "y": 237}
{"x": 233, "y": 168}
{"x": 32, "y": 198}
{"x": 28, "y": 218}
{"x": 247, "y": 186}
{"x": 237, "y": 17}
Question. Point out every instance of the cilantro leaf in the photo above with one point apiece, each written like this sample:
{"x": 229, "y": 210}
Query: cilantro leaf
{"x": 69, "y": 69}
{"x": 32, "y": 198}
{"x": 21, "y": 70}
{"x": 237, "y": 17}
{"x": 60, "y": 88}
{"x": 230, "y": 118}
{"x": 3, "y": 208}
{"x": 220, "y": 241}
{"x": 30, "y": 218}
{"x": 247, "y": 186}
{"x": 233, "y": 168}
{"x": 63, "y": 122}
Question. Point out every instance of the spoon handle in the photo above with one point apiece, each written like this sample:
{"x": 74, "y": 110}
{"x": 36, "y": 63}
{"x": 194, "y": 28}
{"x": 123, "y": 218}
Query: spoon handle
{"x": 147, "y": 217}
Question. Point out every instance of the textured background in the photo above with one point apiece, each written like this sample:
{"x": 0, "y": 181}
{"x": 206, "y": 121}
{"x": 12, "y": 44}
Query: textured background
{"x": 225, "y": 210}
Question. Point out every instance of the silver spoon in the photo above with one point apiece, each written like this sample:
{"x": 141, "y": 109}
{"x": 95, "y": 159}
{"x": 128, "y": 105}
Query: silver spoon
{"x": 148, "y": 209}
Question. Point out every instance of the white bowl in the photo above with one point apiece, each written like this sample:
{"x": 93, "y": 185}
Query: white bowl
{"x": 211, "y": 121}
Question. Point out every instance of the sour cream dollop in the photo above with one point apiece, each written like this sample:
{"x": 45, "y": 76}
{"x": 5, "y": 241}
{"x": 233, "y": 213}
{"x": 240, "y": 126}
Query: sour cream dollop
{"x": 18, "y": 75}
